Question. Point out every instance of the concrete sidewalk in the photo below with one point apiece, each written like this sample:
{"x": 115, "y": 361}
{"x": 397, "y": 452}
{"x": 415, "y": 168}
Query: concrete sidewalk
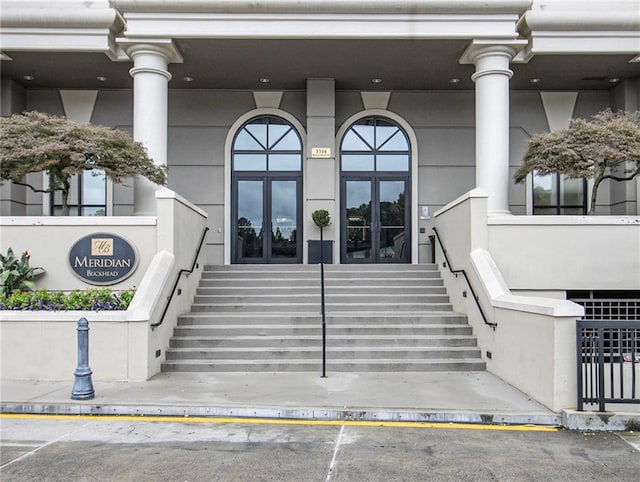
{"x": 448, "y": 397}
{"x": 435, "y": 397}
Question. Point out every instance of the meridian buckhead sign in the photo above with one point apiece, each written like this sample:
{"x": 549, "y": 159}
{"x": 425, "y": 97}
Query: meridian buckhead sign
{"x": 103, "y": 259}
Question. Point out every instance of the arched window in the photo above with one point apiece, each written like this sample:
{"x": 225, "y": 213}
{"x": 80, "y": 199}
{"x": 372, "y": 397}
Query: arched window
{"x": 375, "y": 144}
{"x": 267, "y": 143}
{"x": 267, "y": 192}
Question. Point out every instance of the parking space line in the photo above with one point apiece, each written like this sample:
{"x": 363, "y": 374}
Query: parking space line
{"x": 283, "y": 421}
{"x": 335, "y": 454}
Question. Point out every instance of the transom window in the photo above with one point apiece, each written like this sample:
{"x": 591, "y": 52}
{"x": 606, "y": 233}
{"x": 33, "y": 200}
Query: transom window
{"x": 87, "y": 196}
{"x": 375, "y": 144}
{"x": 267, "y": 143}
{"x": 555, "y": 194}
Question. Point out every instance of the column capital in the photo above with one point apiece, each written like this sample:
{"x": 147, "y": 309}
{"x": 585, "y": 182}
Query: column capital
{"x": 162, "y": 47}
{"x": 479, "y": 49}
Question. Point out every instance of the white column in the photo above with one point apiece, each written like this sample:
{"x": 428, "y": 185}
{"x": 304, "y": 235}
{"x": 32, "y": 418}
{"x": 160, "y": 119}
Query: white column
{"x": 150, "y": 106}
{"x": 492, "y": 121}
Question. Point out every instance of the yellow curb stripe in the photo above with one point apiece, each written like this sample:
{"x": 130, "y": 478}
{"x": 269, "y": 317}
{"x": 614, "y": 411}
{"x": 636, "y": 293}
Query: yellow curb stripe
{"x": 278, "y": 421}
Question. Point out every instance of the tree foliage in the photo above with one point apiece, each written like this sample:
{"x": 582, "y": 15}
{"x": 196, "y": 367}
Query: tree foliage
{"x": 605, "y": 147}
{"x": 37, "y": 142}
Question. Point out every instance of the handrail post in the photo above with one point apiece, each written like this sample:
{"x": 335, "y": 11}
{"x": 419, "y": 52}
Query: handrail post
{"x": 322, "y": 309}
{"x": 82, "y": 387}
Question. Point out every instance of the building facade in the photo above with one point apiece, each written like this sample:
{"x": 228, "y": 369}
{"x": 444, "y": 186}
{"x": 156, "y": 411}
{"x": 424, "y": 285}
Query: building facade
{"x": 379, "y": 112}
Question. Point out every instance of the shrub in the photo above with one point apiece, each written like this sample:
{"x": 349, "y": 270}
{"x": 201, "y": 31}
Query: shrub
{"x": 17, "y": 275}
{"x": 87, "y": 300}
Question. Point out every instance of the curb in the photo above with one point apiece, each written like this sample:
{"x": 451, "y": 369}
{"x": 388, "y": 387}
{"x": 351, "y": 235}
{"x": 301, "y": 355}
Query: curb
{"x": 600, "y": 421}
{"x": 346, "y": 414}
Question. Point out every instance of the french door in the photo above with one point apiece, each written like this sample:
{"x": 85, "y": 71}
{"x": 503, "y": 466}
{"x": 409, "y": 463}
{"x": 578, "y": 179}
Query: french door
{"x": 375, "y": 219}
{"x": 266, "y": 214}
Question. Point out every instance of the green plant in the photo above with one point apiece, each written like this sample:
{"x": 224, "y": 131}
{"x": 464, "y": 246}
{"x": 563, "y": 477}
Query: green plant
{"x": 321, "y": 218}
{"x": 17, "y": 275}
{"x": 86, "y": 300}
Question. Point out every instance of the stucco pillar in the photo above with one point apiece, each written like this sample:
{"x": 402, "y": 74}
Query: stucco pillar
{"x": 150, "y": 110}
{"x": 320, "y": 168}
{"x": 492, "y": 119}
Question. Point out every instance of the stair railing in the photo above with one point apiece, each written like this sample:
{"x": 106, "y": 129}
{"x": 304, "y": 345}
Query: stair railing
{"x": 456, "y": 272}
{"x": 180, "y": 273}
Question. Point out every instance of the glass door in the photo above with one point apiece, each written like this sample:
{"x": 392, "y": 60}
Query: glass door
{"x": 357, "y": 239}
{"x": 283, "y": 243}
{"x": 392, "y": 221}
{"x": 266, "y": 220}
{"x": 249, "y": 221}
{"x": 375, "y": 220}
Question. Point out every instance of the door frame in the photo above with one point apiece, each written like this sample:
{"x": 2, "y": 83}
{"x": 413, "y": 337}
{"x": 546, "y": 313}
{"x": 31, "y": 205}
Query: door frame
{"x": 267, "y": 178}
{"x": 375, "y": 178}
{"x": 413, "y": 173}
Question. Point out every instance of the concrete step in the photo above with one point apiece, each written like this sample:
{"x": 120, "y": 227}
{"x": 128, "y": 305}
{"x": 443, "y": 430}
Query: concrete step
{"x": 314, "y": 282}
{"x": 361, "y": 268}
{"x": 293, "y": 298}
{"x": 303, "y": 353}
{"x": 379, "y": 318}
{"x": 315, "y": 307}
{"x": 354, "y": 365}
{"x": 296, "y": 289}
{"x": 312, "y": 275}
{"x": 240, "y": 341}
{"x": 315, "y": 329}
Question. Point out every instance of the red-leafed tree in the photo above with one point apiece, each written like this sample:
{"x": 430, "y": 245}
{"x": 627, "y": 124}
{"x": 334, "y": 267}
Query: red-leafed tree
{"x": 605, "y": 147}
{"x": 37, "y": 142}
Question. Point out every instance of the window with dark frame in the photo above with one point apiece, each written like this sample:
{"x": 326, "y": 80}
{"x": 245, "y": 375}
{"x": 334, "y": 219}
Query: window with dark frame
{"x": 556, "y": 194}
{"x": 87, "y": 197}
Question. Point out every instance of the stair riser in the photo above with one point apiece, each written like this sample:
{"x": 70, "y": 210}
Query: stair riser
{"x": 331, "y": 367}
{"x": 302, "y": 342}
{"x": 360, "y": 268}
{"x": 317, "y": 354}
{"x": 329, "y": 275}
{"x": 329, "y": 291}
{"x": 316, "y": 331}
{"x": 315, "y": 319}
{"x": 293, "y": 298}
{"x": 311, "y": 283}
{"x": 315, "y": 307}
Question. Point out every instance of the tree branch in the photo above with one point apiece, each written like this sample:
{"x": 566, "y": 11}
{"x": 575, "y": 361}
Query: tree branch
{"x": 626, "y": 178}
{"x": 31, "y": 187}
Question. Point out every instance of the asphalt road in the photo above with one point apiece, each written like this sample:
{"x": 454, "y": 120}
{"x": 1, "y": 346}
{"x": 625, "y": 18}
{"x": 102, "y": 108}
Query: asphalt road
{"x": 127, "y": 449}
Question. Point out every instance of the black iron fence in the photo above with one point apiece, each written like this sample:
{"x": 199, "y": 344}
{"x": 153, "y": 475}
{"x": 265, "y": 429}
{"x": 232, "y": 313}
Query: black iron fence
{"x": 608, "y": 362}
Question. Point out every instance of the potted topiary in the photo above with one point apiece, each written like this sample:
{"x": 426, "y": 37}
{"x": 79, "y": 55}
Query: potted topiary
{"x": 321, "y": 250}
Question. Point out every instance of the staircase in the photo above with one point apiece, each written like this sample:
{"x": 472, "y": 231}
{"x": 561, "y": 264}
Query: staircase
{"x": 248, "y": 318}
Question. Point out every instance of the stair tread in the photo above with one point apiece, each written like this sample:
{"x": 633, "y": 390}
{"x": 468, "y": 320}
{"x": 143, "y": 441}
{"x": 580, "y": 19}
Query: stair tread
{"x": 373, "y": 361}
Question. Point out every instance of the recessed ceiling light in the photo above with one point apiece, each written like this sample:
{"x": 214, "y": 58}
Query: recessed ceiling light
{"x": 101, "y": 78}
{"x": 264, "y": 80}
{"x": 376, "y": 81}
{"x": 28, "y": 78}
{"x": 454, "y": 81}
{"x": 614, "y": 80}
{"x": 535, "y": 81}
{"x": 188, "y": 79}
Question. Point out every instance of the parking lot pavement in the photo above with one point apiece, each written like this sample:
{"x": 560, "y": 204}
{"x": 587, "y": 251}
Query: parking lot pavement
{"x": 189, "y": 449}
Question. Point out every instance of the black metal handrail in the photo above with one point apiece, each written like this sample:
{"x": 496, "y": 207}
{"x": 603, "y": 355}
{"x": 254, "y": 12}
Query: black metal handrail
{"x": 605, "y": 350}
{"x": 455, "y": 272}
{"x": 180, "y": 273}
